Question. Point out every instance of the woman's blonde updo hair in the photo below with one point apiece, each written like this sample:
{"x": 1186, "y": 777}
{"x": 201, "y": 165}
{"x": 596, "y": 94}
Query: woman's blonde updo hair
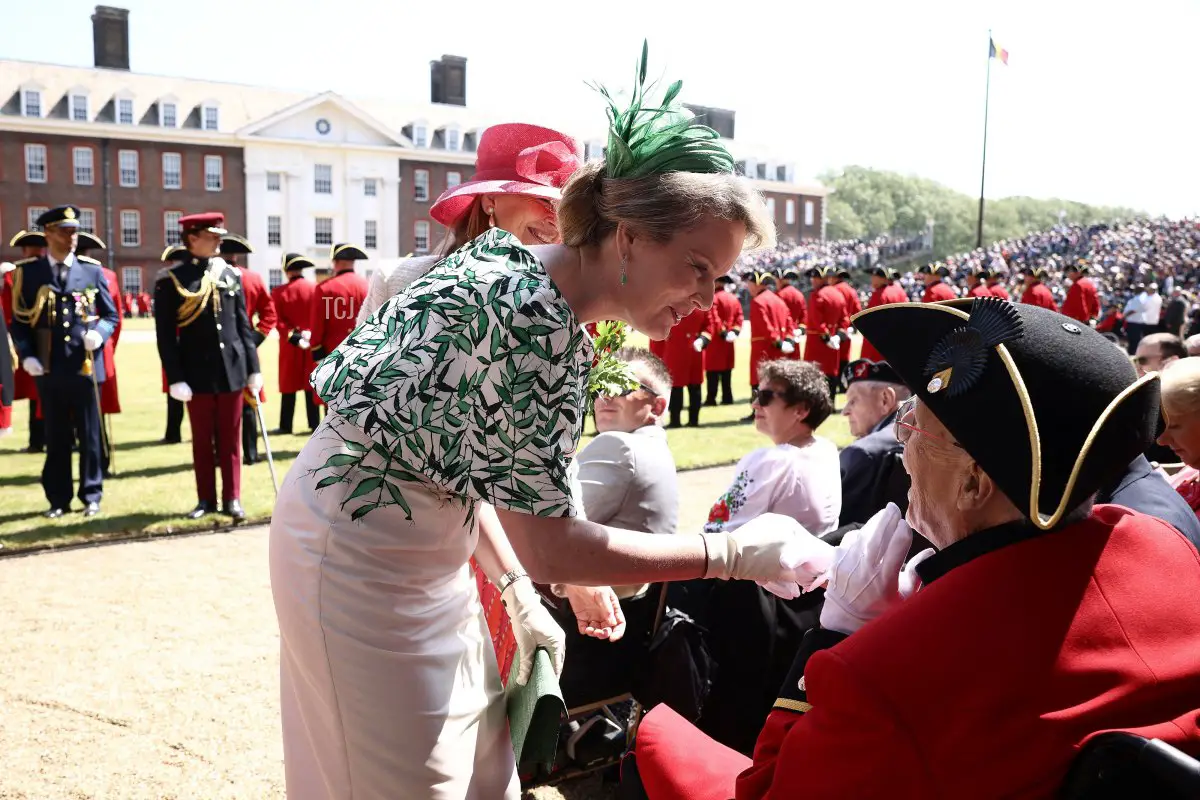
{"x": 658, "y": 206}
{"x": 1180, "y": 385}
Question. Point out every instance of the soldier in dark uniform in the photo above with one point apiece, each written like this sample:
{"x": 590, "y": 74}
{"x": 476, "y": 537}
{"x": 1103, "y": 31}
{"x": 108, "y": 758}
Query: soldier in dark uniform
{"x": 175, "y": 409}
{"x": 33, "y": 246}
{"x": 872, "y": 475}
{"x": 62, "y": 315}
{"x": 209, "y": 353}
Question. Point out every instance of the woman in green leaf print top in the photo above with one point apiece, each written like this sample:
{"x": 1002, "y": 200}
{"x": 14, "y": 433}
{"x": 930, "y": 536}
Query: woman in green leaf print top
{"x": 454, "y": 413}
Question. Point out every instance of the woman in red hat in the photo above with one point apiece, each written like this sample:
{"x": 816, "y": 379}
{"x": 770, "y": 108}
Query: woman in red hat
{"x": 520, "y": 170}
{"x": 456, "y": 409}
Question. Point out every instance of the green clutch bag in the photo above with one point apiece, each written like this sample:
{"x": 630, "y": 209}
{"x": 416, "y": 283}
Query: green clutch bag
{"x": 535, "y": 712}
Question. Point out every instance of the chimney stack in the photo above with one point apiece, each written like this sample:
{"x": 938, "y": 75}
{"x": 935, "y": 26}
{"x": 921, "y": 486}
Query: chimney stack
{"x": 110, "y": 37}
{"x": 719, "y": 119}
{"x": 448, "y": 81}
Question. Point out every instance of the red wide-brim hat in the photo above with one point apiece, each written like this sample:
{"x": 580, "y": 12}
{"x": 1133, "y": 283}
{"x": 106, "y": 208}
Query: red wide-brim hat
{"x": 513, "y": 158}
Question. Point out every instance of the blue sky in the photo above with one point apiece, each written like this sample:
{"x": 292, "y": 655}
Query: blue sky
{"x": 1098, "y": 102}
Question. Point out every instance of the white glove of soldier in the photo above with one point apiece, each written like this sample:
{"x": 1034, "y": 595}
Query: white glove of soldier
{"x": 33, "y": 367}
{"x": 254, "y": 382}
{"x": 731, "y": 336}
{"x": 834, "y": 342}
{"x": 533, "y": 627}
{"x": 755, "y": 552}
{"x": 305, "y": 340}
{"x": 864, "y": 580}
{"x": 699, "y": 343}
{"x": 806, "y": 558}
{"x": 910, "y": 581}
{"x": 92, "y": 340}
{"x": 180, "y": 391}
{"x": 797, "y": 333}
{"x": 787, "y": 347}
{"x": 5, "y": 432}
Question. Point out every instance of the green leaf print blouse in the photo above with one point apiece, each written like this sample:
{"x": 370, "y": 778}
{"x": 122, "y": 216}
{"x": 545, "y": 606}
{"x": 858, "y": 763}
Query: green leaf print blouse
{"x": 472, "y": 381}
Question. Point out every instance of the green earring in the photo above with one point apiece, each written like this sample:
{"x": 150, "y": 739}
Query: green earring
{"x": 624, "y": 277}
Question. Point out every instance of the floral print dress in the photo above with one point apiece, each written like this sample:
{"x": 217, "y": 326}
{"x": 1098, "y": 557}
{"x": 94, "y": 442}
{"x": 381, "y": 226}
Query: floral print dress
{"x": 469, "y": 386}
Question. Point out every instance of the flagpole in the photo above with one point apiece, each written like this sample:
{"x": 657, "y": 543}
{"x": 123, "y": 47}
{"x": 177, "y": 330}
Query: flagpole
{"x": 983, "y": 167}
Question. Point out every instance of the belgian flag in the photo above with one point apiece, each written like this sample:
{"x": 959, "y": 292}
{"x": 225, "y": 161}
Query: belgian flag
{"x": 995, "y": 51}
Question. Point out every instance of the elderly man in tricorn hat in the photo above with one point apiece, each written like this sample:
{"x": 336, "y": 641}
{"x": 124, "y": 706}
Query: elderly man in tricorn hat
{"x": 1040, "y": 621}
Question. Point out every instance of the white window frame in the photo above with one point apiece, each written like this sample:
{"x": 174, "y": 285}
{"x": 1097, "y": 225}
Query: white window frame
{"x": 319, "y": 237}
{"x": 370, "y": 234}
{"x": 370, "y": 187}
{"x": 771, "y": 208}
{"x": 322, "y": 185}
{"x": 86, "y": 214}
{"x": 131, "y": 280}
{"x": 214, "y": 180}
{"x": 789, "y": 212}
{"x": 454, "y": 144}
{"x": 206, "y": 110}
{"x": 810, "y": 213}
{"x": 594, "y": 151}
{"x": 79, "y": 103}
{"x": 36, "y": 168}
{"x": 178, "y": 173}
{"x": 136, "y": 227}
{"x": 453, "y": 178}
{"x": 172, "y": 235}
{"x": 421, "y": 185}
{"x": 163, "y": 121}
{"x": 275, "y": 278}
{"x": 122, "y": 104}
{"x": 31, "y": 98}
{"x": 125, "y": 172}
{"x": 274, "y": 182}
{"x": 274, "y": 230}
{"x": 421, "y": 135}
{"x": 420, "y": 231}
{"x": 31, "y": 215}
{"x": 84, "y": 173}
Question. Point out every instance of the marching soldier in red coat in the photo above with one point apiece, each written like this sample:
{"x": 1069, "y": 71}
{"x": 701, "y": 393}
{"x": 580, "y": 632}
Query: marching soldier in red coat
{"x": 1041, "y": 622}
{"x": 725, "y": 322}
{"x": 336, "y": 301}
{"x": 293, "y": 307}
{"x": 210, "y": 355}
{"x": 995, "y": 286}
{"x": 684, "y": 357}
{"x": 884, "y": 291}
{"x": 977, "y": 283}
{"x": 1083, "y": 299}
{"x": 33, "y": 245}
{"x": 842, "y": 282}
{"x": 827, "y": 323}
{"x": 110, "y": 399}
{"x": 261, "y": 309}
{"x": 789, "y": 292}
{"x": 771, "y": 326}
{"x": 936, "y": 288}
{"x": 1037, "y": 293}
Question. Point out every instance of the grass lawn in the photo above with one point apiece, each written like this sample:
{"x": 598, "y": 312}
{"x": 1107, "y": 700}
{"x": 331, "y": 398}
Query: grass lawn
{"x": 155, "y": 487}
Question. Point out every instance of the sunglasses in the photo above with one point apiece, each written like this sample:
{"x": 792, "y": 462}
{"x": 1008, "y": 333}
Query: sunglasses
{"x": 904, "y": 429}
{"x": 628, "y": 392}
{"x": 764, "y": 397}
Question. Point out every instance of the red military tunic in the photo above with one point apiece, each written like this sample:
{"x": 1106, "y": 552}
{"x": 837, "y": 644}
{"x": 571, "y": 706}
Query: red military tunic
{"x": 260, "y": 308}
{"x": 968, "y": 689}
{"x": 827, "y": 316}
{"x": 658, "y": 348}
{"x": 979, "y": 290}
{"x": 684, "y": 362}
{"x": 1039, "y": 295}
{"x": 998, "y": 290}
{"x": 110, "y": 400}
{"x": 883, "y": 296}
{"x": 293, "y": 303}
{"x": 793, "y": 298}
{"x": 335, "y": 310}
{"x": 24, "y": 386}
{"x": 1082, "y": 301}
{"x": 770, "y": 324}
{"x": 853, "y": 306}
{"x": 724, "y": 316}
{"x": 937, "y": 292}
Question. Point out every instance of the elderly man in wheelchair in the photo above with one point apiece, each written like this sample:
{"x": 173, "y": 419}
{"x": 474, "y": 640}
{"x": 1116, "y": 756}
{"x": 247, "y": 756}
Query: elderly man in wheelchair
{"x": 1041, "y": 627}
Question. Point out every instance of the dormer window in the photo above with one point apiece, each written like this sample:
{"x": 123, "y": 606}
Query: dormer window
{"x": 420, "y": 136}
{"x": 453, "y": 139}
{"x": 781, "y": 173}
{"x": 594, "y": 151}
{"x": 79, "y": 107}
{"x": 31, "y": 102}
{"x": 125, "y": 110}
{"x": 208, "y": 117}
{"x": 168, "y": 114}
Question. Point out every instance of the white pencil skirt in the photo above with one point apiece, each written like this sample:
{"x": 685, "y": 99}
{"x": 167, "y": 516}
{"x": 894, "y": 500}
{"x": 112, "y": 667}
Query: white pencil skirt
{"x": 389, "y": 685}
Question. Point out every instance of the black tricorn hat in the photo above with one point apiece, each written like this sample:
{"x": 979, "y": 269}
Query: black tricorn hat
{"x": 791, "y": 273}
{"x": 844, "y": 274}
{"x": 1015, "y": 366}
{"x": 89, "y": 241}
{"x": 932, "y": 269}
{"x": 866, "y": 370}
{"x": 232, "y": 245}
{"x": 28, "y": 239}
{"x": 293, "y": 261}
{"x": 726, "y": 278}
{"x": 175, "y": 252}
{"x": 761, "y": 277}
{"x": 881, "y": 272}
{"x": 346, "y": 252}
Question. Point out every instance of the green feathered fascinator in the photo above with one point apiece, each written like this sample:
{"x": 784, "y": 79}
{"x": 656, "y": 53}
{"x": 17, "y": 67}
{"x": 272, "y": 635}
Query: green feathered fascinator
{"x": 647, "y": 139}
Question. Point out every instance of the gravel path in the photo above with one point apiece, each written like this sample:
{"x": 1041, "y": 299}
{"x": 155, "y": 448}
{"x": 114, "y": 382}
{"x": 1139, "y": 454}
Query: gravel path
{"x": 150, "y": 669}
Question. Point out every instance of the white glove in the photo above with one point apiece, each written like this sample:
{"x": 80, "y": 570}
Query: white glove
{"x": 698, "y": 344}
{"x": 533, "y": 627}
{"x": 92, "y": 340}
{"x": 910, "y": 581}
{"x": 807, "y": 559}
{"x": 834, "y": 342}
{"x": 254, "y": 382}
{"x": 180, "y": 391}
{"x": 33, "y": 367}
{"x": 755, "y": 552}
{"x": 731, "y": 336}
{"x": 5, "y": 432}
{"x": 787, "y": 347}
{"x": 865, "y": 578}
{"x": 305, "y": 340}
{"x": 797, "y": 333}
